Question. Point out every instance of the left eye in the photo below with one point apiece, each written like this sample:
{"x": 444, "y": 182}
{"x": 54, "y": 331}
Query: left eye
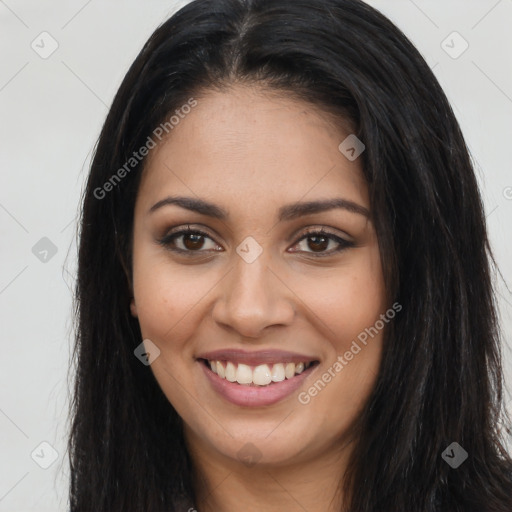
{"x": 319, "y": 241}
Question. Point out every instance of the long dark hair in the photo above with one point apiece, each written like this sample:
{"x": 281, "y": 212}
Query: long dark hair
{"x": 440, "y": 379}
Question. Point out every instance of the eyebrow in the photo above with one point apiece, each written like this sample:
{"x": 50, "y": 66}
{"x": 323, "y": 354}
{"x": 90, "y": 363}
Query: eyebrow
{"x": 285, "y": 213}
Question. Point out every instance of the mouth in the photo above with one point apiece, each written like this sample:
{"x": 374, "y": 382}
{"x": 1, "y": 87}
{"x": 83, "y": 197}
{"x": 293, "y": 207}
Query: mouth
{"x": 257, "y": 376}
{"x": 256, "y": 380}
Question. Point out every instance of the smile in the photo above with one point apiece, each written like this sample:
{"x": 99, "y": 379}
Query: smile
{"x": 255, "y": 379}
{"x": 261, "y": 375}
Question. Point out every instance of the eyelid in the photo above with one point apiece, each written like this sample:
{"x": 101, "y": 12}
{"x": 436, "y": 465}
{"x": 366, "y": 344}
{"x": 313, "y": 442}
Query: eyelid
{"x": 325, "y": 231}
{"x": 185, "y": 228}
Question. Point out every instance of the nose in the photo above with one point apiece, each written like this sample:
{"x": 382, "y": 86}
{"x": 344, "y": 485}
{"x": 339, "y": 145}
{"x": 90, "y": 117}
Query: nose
{"x": 253, "y": 298}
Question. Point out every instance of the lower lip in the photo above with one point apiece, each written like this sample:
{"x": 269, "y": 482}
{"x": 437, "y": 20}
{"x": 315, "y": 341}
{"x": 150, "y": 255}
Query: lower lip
{"x": 255, "y": 396}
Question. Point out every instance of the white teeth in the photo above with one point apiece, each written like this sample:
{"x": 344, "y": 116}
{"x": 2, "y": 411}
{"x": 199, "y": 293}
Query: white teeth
{"x": 220, "y": 370}
{"x": 230, "y": 372}
{"x": 261, "y": 375}
{"x": 278, "y": 374}
{"x": 289, "y": 370}
{"x": 243, "y": 374}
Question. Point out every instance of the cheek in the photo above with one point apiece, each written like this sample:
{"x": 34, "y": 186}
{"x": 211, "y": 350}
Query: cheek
{"x": 349, "y": 303}
{"x": 167, "y": 299}
{"x": 168, "y": 309}
{"x": 349, "y": 300}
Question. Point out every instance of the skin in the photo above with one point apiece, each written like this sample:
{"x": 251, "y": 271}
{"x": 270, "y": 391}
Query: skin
{"x": 251, "y": 152}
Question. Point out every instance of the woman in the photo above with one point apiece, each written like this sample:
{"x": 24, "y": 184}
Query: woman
{"x": 284, "y": 291}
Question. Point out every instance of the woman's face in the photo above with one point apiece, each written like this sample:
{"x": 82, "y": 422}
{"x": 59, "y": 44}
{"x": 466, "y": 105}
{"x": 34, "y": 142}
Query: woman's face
{"x": 258, "y": 289}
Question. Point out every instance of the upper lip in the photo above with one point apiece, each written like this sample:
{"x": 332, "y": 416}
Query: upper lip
{"x": 256, "y": 358}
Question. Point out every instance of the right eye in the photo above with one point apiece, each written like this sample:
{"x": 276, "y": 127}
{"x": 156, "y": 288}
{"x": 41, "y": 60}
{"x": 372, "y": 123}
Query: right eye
{"x": 188, "y": 241}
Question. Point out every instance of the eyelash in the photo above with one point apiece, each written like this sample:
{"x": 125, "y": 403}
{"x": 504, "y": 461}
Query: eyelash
{"x": 167, "y": 240}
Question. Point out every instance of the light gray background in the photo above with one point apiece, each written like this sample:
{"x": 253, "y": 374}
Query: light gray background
{"x": 51, "y": 112}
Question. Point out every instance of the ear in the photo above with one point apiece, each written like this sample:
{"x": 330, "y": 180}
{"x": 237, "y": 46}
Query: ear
{"x": 133, "y": 308}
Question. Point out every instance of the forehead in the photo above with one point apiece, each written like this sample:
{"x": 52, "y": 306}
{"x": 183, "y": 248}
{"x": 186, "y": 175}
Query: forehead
{"x": 246, "y": 143}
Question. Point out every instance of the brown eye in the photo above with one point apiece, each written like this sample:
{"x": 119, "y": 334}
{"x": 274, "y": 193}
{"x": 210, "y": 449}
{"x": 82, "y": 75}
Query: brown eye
{"x": 318, "y": 243}
{"x": 193, "y": 241}
{"x": 189, "y": 241}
